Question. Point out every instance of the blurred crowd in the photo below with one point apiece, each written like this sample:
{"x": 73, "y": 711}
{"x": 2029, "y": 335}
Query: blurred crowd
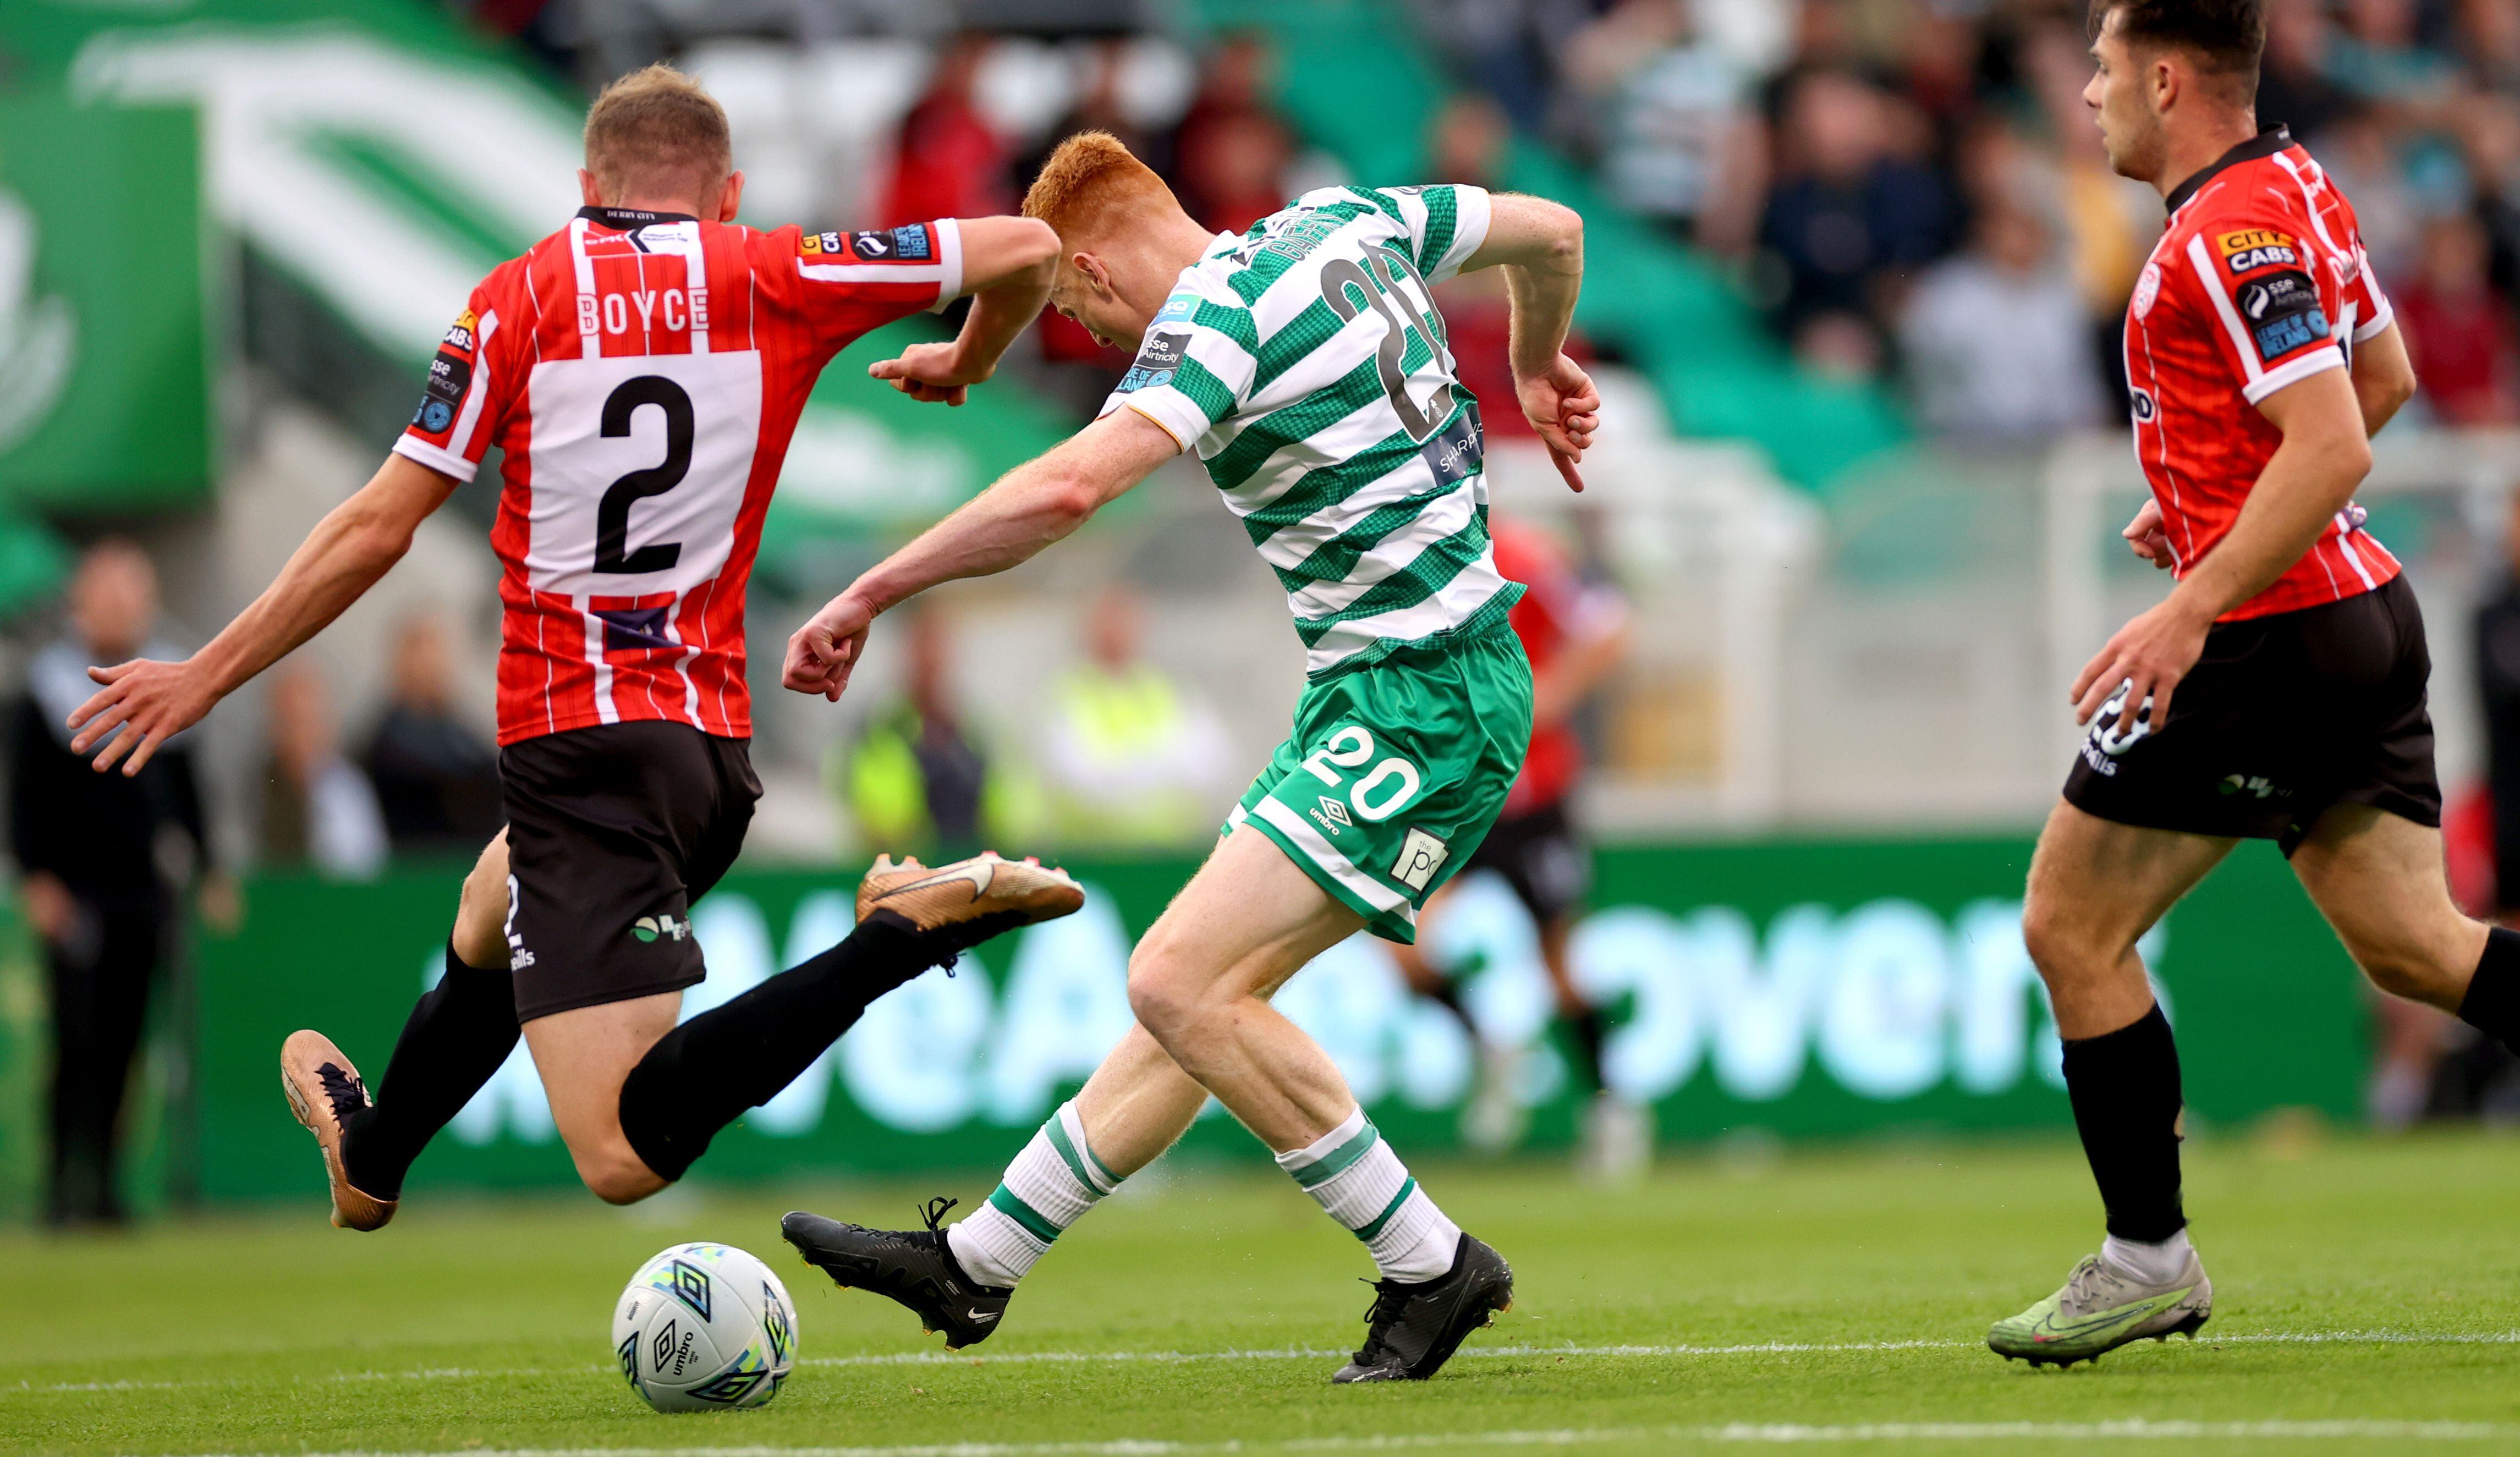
{"x": 1912, "y": 189}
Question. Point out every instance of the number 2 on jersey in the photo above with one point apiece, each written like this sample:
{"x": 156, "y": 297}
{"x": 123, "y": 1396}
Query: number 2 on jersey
{"x": 613, "y": 513}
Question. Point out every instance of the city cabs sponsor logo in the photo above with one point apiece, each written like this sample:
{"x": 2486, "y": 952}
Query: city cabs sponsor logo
{"x": 2253, "y": 248}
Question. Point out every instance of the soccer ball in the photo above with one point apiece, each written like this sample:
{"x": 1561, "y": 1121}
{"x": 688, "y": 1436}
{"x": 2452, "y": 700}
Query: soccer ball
{"x": 704, "y": 1328}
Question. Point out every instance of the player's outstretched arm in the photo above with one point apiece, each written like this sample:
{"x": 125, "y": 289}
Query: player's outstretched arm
{"x": 1006, "y": 267}
{"x": 356, "y": 542}
{"x": 1028, "y": 508}
{"x": 2384, "y": 378}
{"x": 2310, "y": 478}
{"x": 1540, "y": 245}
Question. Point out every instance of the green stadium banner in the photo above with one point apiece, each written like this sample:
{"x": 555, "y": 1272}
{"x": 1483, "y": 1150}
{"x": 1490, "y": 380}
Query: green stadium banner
{"x": 104, "y": 352}
{"x": 1802, "y": 989}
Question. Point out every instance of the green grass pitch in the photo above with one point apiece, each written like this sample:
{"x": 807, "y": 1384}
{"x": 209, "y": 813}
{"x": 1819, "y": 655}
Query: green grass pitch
{"x": 2369, "y": 1300}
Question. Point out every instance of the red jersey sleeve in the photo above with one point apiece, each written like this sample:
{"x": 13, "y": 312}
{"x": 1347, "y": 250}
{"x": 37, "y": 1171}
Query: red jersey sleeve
{"x": 2370, "y": 306}
{"x": 2262, "y": 297}
{"x": 466, "y": 393}
{"x": 846, "y": 284}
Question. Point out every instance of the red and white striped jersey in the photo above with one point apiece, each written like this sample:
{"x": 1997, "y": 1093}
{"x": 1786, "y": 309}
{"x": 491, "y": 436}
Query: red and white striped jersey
{"x": 643, "y": 373}
{"x": 2259, "y": 281}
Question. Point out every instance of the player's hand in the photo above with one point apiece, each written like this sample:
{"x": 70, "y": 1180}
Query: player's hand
{"x": 828, "y": 648}
{"x": 2147, "y": 660}
{"x": 935, "y": 374}
{"x": 1562, "y": 405}
{"x": 150, "y": 701}
{"x": 2150, "y": 542}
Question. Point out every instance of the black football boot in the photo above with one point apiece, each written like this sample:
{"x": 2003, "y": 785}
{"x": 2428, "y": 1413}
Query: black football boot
{"x": 1415, "y": 1327}
{"x": 914, "y": 1267}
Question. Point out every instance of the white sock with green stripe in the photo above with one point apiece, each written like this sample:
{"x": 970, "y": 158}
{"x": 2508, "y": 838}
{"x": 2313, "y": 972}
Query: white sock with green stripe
{"x": 1049, "y": 1186}
{"x": 1354, "y": 1175}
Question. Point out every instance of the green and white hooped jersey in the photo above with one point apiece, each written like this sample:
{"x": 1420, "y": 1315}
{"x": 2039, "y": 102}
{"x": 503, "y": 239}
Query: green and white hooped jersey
{"x": 1307, "y": 365}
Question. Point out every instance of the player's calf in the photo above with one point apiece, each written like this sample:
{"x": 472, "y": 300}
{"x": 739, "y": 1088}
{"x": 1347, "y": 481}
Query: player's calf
{"x": 702, "y": 1075}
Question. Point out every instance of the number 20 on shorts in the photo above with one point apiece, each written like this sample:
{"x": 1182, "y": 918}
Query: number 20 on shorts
{"x": 1380, "y": 792}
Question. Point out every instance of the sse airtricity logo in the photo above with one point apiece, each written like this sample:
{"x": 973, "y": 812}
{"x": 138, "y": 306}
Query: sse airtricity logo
{"x": 649, "y": 927}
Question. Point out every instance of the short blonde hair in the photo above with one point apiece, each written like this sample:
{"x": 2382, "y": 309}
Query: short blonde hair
{"x": 1090, "y": 185}
{"x": 656, "y": 130}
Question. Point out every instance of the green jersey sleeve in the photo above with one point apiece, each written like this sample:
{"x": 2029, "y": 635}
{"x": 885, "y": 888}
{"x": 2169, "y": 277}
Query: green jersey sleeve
{"x": 1446, "y": 225}
{"x": 1195, "y": 369}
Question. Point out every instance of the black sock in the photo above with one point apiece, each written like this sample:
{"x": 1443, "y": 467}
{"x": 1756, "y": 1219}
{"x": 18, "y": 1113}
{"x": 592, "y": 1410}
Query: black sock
{"x": 2124, "y": 1089}
{"x": 704, "y": 1074}
{"x": 1589, "y": 1029}
{"x": 458, "y": 1034}
{"x": 2492, "y": 1002}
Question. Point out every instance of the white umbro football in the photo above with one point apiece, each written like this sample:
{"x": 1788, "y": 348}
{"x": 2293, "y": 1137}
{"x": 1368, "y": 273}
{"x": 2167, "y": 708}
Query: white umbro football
{"x": 704, "y": 1328}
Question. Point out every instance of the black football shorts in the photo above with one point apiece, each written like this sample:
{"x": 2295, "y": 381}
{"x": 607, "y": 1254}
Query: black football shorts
{"x": 2283, "y": 717}
{"x": 613, "y": 832}
{"x": 1539, "y": 855}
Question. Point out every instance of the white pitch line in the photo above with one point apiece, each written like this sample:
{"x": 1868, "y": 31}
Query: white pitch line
{"x": 1289, "y": 1354}
{"x": 1757, "y": 1433}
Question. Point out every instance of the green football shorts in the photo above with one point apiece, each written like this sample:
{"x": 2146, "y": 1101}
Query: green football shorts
{"x": 1394, "y": 771}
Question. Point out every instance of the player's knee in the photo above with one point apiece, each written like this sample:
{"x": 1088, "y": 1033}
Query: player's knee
{"x": 617, "y": 1175}
{"x": 1157, "y": 999}
{"x": 2060, "y": 944}
{"x": 1162, "y": 992}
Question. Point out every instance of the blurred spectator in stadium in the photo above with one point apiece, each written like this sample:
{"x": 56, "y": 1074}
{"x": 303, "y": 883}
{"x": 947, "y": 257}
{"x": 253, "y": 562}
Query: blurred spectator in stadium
{"x": 1467, "y": 144}
{"x": 2376, "y": 56}
{"x": 2489, "y": 43}
{"x": 1850, "y": 219}
{"x": 1234, "y": 170}
{"x": 1677, "y": 144}
{"x": 2489, "y": 134}
{"x": 949, "y": 161}
{"x": 318, "y": 810}
{"x": 1098, "y": 107}
{"x": 436, "y": 776}
{"x": 1996, "y": 340}
{"x": 2459, "y": 331}
{"x": 2109, "y": 223}
{"x": 1132, "y": 759}
{"x": 101, "y": 862}
{"x": 1505, "y": 47}
{"x": 1232, "y": 151}
{"x": 2294, "y": 85}
{"x": 1234, "y": 81}
{"x": 918, "y": 779}
{"x": 2360, "y": 154}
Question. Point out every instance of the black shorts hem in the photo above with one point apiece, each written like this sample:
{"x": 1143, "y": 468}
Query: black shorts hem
{"x": 572, "y": 999}
{"x": 2165, "y": 821}
{"x": 2381, "y": 797}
